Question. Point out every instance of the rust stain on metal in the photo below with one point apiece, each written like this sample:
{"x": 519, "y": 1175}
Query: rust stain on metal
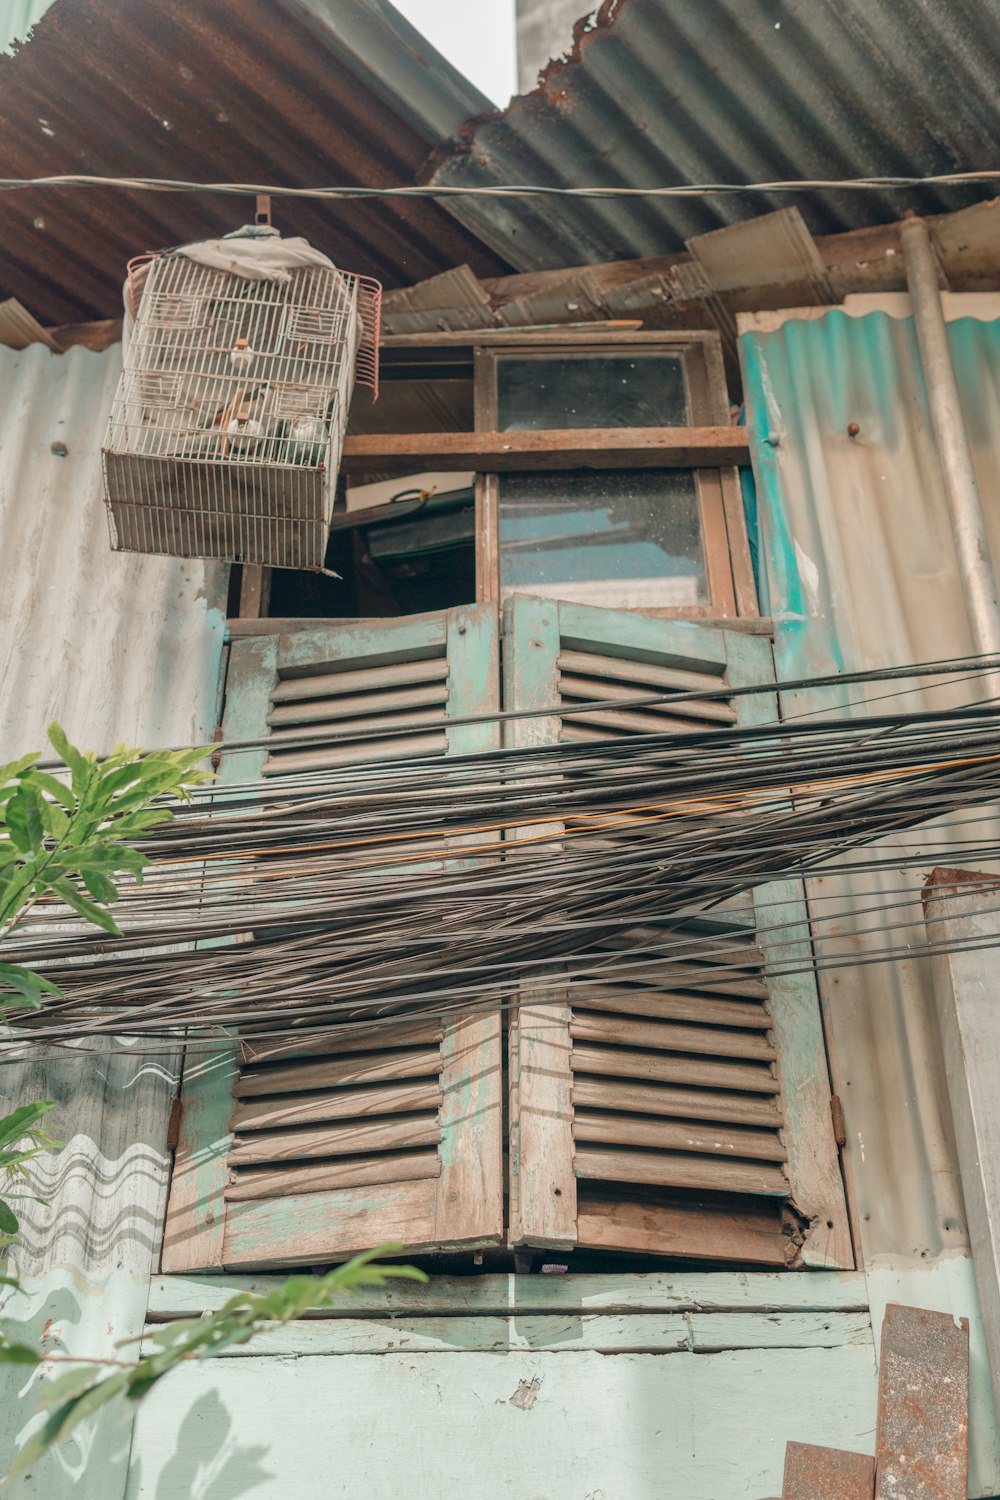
{"x": 923, "y": 1404}
{"x": 813, "y": 1473}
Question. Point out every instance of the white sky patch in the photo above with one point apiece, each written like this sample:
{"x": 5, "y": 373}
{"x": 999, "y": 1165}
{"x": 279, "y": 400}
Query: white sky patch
{"x": 476, "y": 36}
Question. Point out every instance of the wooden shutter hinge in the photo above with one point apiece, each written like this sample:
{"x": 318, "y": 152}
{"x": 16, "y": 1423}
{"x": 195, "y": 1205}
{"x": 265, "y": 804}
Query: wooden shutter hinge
{"x": 216, "y": 756}
{"x": 174, "y": 1124}
{"x": 839, "y": 1123}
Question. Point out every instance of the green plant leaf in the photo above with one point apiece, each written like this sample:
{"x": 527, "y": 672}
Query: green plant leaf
{"x": 52, "y": 787}
{"x": 15, "y": 1126}
{"x": 8, "y": 1219}
{"x": 99, "y": 886}
{"x": 93, "y": 913}
{"x": 70, "y": 755}
{"x": 18, "y": 1354}
{"x": 14, "y": 767}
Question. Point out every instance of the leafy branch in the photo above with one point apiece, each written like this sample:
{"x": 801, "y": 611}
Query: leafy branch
{"x": 63, "y": 838}
{"x": 77, "y": 1394}
{"x": 20, "y": 1126}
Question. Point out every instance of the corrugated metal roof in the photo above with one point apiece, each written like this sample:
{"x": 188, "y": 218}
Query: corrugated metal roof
{"x": 670, "y": 91}
{"x": 862, "y": 573}
{"x": 17, "y": 18}
{"x": 302, "y": 92}
{"x": 116, "y": 646}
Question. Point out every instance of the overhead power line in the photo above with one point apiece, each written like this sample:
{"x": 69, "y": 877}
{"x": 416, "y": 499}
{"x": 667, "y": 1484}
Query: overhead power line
{"x": 522, "y": 190}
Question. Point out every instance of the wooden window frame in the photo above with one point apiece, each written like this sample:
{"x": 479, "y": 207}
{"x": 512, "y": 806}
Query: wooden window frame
{"x": 729, "y": 572}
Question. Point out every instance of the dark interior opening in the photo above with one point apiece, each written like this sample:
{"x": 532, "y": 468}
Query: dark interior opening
{"x": 402, "y": 544}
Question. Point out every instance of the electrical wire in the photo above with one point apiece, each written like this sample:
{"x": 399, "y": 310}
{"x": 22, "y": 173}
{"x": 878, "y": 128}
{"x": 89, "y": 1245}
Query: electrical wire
{"x": 526, "y": 190}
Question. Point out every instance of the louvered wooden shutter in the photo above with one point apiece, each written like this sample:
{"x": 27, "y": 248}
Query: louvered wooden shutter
{"x": 311, "y": 1154}
{"x": 688, "y": 1117}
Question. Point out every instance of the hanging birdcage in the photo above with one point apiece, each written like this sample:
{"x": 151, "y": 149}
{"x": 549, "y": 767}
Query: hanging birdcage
{"x": 228, "y": 424}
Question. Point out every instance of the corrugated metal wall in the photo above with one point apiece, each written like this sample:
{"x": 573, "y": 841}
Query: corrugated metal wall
{"x": 118, "y": 648}
{"x": 862, "y": 573}
{"x": 115, "y": 646}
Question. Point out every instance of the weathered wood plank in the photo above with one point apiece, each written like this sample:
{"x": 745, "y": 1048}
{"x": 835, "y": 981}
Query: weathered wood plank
{"x": 698, "y": 1231}
{"x": 611, "y": 1129}
{"x": 344, "y": 1070}
{"x": 674, "y": 1103}
{"x": 268, "y": 1113}
{"x": 813, "y": 1473}
{"x": 195, "y": 1209}
{"x": 657, "y": 1292}
{"x": 315, "y": 1227}
{"x": 633, "y": 1333}
{"x": 922, "y": 1435}
{"x": 671, "y": 1169}
{"x": 567, "y": 448}
{"x": 671, "y": 1005}
{"x": 545, "y": 1425}
{"x": 352, "y": 1137}
{"x": 329, "y": 1176}
{"x": 666, "y": 1036}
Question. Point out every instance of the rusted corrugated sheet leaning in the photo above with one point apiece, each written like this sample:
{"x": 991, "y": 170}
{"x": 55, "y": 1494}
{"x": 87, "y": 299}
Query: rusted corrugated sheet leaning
{"x": 862, "y": 573}
{"x": 656, "y": 92}
{"x": 118, "y": 647}
{"x": 296, "y": 93}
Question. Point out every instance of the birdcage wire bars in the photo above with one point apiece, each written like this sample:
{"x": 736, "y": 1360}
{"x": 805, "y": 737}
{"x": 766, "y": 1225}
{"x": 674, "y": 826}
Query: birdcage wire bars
{"x": 227, "y": 427}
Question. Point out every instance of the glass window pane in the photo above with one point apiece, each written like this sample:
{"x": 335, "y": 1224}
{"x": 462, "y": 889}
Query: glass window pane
{"x": 622, "y": 538}
{"x": 591, "y": 391}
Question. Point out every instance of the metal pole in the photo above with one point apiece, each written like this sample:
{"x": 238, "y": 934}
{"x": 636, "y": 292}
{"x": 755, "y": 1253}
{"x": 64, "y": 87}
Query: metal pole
{"x": 965, "y": 509}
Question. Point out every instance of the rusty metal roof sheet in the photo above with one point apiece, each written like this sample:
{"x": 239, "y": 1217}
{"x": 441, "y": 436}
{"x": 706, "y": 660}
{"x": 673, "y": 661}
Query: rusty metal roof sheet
{"x": 656, "y": 92}
{"x": 303, "y": 92}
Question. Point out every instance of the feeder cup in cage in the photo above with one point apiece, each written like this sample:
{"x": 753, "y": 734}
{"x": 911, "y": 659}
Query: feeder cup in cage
{"x": 228, "y": 424}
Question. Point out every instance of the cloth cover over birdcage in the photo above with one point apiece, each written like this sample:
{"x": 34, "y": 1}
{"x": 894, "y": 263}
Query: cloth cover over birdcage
{"x": 227, "y": 428}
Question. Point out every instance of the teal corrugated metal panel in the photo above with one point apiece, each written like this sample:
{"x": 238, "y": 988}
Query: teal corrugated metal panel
{"x": 17, "y": 18}
{"x": 862, "y": 573}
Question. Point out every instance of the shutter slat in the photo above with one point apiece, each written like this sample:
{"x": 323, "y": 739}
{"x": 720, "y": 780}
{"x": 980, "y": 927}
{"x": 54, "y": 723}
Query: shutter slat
{"x": 646, "y": 673}
{"x": 323, "y": 758}
{"x": 675, "y": 1103}
{"x": 331, "y": 710}
{"x": 665, "y": 1169}
{"x": 662, "y": 1067}
{"x": 608, "y": 1129}
{"x": 352, "y": 1138}
{"x": 667, "y": 1037}
{"x": 671, "y": 1005}
{"x": 633, "y": 721}
{"x": 338, "y": 1072}
{"x": 339, "y": 1104}
{"x": 594, "y": 689}
{"x": 358, "y": 1171}
{"x": 385, "y": 1038}
{"x": 370, "y": 725}
{"x": 330, "y": 684}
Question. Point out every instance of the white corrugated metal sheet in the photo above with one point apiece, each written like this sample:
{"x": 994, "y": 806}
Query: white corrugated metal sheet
{"x": 862, "y": 574}
{"x": 117, "y": 647}
{"x": 17, "y": 18}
